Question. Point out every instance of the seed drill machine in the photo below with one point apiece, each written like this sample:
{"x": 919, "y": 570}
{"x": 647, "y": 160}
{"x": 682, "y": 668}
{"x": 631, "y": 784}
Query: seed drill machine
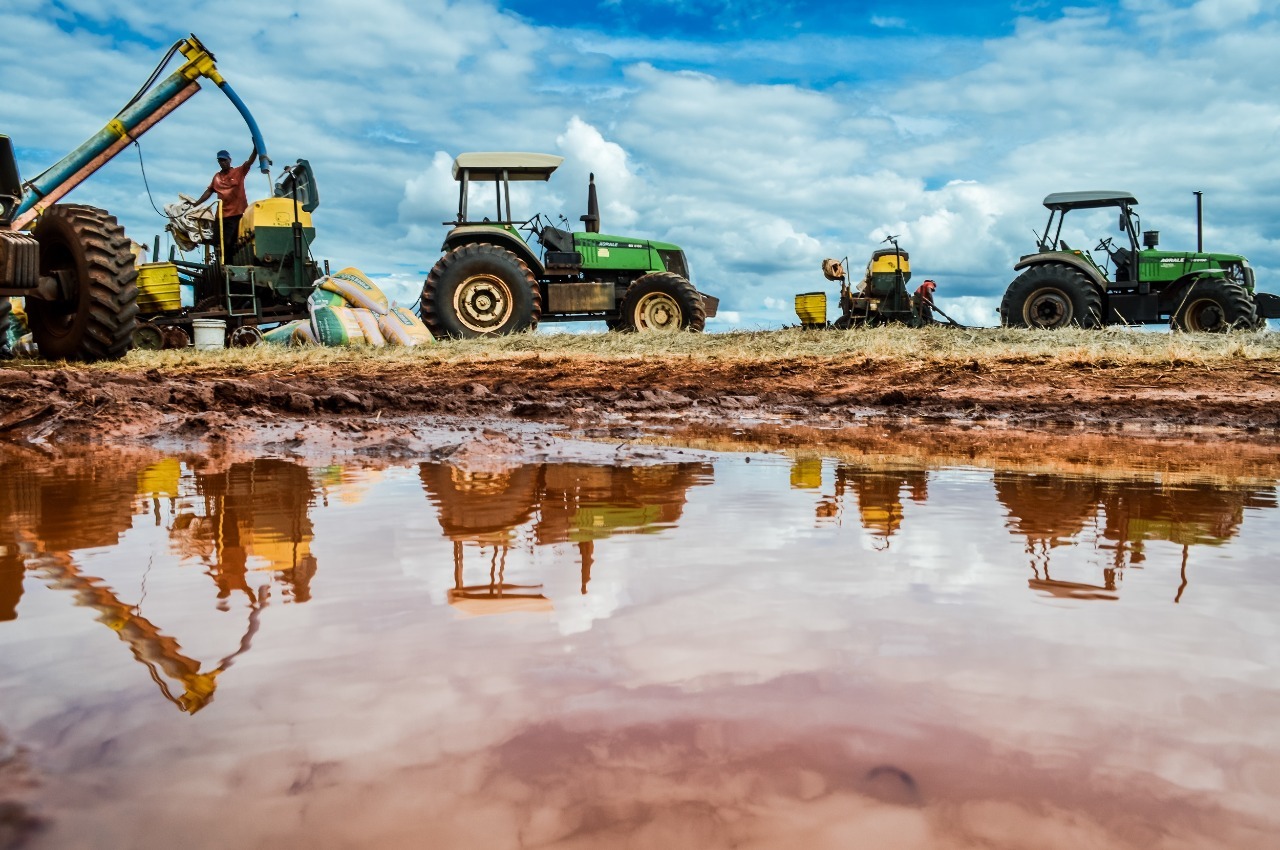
{"x": 881, "y": 297}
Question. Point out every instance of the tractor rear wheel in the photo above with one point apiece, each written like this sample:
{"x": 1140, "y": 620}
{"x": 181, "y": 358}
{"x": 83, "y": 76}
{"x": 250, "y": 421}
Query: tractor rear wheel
{"x": 6, "y": 307}
{"x": 1214, "y": 305}
{"x": 1051, "y": 296}
{"x": 97, "y": 318}
{"x": 663, "y": 301}
{"x": 480, "y": 290}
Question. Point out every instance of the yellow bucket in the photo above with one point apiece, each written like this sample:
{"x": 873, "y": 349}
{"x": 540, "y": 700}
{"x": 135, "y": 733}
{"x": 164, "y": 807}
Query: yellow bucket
{"x": 811, "y": 307}
{"x": 158, "y": 288}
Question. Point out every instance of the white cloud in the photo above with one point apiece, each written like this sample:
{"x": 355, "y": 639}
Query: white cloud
{"x": 587, "y": 151}
{"x": 1224, "y": 14}
{"x": 757, "y": 180}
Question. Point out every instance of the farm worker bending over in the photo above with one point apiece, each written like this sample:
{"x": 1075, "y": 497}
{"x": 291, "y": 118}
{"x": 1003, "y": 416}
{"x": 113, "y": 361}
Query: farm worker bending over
{"x": 925, "y": 295}
{"x": 228, "y": 183}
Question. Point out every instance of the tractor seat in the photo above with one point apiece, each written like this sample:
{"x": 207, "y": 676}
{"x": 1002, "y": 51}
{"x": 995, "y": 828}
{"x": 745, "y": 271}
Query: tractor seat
{"x": 1122, "y": 257}
{"x": 555, "y": 239}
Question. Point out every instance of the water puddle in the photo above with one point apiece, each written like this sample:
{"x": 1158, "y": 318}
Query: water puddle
{"x": 748, "y": 648}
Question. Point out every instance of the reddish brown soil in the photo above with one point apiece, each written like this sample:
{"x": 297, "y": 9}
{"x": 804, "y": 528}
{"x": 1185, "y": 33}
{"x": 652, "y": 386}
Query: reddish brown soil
{"x": 49, "y": 403}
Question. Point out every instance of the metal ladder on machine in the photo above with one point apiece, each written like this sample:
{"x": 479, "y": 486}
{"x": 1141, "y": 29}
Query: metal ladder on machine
{"x": 246, "y": 293}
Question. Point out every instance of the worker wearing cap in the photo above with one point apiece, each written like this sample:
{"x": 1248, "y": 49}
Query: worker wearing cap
{"x": 228, "y": 184}
{"x": 924, "y": 297}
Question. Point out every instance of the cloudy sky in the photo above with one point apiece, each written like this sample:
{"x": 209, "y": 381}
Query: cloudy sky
{"x": 760, "y": 136}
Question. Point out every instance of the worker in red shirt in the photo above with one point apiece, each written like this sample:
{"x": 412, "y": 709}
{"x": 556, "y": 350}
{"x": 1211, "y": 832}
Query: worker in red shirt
{"x": 228, "y": 184}
{"x": 924, "y": 298}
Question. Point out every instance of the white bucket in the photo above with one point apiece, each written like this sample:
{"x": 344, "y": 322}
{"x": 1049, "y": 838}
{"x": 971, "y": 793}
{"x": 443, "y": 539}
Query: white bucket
{"x": 210, "y": 334}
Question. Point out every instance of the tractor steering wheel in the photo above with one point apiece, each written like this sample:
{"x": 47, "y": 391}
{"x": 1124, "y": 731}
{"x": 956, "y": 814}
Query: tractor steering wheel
{"x": 532, "y": 225}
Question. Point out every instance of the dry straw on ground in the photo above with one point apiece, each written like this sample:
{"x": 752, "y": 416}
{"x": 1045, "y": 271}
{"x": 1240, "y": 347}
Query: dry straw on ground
{"x": 1109, "y": 347}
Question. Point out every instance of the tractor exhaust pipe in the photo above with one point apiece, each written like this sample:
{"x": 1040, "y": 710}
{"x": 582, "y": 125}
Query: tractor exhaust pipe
{"x": 1199, "y": 222}
{"x": 592, "y": 218}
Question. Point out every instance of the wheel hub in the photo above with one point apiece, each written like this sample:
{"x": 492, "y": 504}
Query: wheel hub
{"x": 1048, "y": 309}
{"x": 148, "y": 337}
{"x": 1205, "y": 315}
{"x": 483, "y": 303}
{"x": 657, "y": 312}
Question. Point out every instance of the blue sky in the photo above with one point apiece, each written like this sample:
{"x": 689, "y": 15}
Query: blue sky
{"x": 760, "y": 136}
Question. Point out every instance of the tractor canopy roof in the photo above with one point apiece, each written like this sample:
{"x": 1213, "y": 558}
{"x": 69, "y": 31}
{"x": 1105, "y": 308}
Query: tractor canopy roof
{"x": 518, "y": 166}
{"x": 1063, "y": 201}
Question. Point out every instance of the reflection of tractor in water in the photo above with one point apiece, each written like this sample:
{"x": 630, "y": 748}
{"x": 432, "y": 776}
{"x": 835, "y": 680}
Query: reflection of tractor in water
{"x": 50, "y": 513}
{"x": 878, "y": 492}
{"x": 1054, "y": 511}
{"x": 548, "y": 504}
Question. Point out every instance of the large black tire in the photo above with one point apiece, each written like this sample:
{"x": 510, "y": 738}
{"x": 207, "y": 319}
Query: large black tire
{"x": 1214, "y": 305}
{"x": 662, "y": 301}
{"x": 480, "y": 290}
{"x": 97, "y": 320}
{"x": 1051, "y": 295}
{"x": 6, "y": 308}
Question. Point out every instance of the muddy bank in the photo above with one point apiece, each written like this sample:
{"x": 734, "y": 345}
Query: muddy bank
{"x": 379, "y": 405}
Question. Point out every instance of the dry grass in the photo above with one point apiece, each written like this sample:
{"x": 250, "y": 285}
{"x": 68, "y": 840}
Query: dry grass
{"x": 931, "y": 345}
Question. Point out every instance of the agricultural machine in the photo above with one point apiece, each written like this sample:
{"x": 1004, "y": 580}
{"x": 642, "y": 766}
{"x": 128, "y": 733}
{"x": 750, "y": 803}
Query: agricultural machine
{"x": 73, "y": 264}
{"x": 266, "y": 278}
{"x": 1193, "y": 291}
{"x": 881, "y": 297}
{"x": 491, "y": 281}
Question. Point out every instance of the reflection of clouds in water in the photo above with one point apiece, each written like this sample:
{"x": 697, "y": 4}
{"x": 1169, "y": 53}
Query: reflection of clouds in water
{"x": 732, "y": 679}
{"x": 606, "y": 594}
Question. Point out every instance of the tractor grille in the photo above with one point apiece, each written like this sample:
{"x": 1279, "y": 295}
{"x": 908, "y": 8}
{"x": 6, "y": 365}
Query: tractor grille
{"x": 674, "y": 262}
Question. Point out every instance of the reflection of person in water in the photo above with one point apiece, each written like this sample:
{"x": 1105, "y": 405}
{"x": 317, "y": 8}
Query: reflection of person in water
{"x": 255, "y": 509}
{"x": 879, "y": 495}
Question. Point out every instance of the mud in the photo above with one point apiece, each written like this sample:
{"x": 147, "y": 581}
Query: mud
{"x": 378, "y": 410}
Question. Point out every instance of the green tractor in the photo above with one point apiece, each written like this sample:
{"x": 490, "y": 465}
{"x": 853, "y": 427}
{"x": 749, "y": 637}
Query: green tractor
{"x": 491, "y": 280}
{"x": 1193, "y": 291}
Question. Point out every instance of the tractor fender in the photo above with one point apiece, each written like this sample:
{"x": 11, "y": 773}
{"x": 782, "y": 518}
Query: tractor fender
{"x": 472, "y": 235}
{"x": 1076, "y": 262}
{"x": 1202, "y": 274}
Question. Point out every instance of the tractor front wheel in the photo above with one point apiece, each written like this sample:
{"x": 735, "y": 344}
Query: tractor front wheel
{"x": 96, "y": 319}
{"x": 1214, "y": 305}
{"x": 662, "y": 301}
{"x": 1051, "y": 296}
{"x": 480, "y": 290}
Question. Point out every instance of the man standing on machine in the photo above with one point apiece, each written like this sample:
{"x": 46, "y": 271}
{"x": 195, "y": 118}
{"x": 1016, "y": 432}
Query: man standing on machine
{"x": 228, "y": 183}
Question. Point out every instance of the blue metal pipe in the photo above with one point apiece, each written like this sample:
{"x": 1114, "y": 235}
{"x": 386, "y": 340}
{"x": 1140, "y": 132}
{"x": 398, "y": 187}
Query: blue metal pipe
{"x": 264, "y": 163}
{"x": 134, "y": 120}
{"x": 119, "y": 127}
